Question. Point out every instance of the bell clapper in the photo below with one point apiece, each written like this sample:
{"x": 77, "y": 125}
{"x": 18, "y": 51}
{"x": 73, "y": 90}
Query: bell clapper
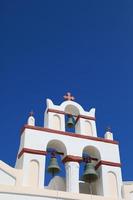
{"x": 53, "y": 174}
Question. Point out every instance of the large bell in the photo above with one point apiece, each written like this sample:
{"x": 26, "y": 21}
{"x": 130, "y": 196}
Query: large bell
{"x": 90, "y": 175}
{"x": 53, "y": 167}
{"x": 70, "y": 122}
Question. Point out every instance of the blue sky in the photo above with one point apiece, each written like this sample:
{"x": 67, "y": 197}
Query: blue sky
{"x": 51, "y": 47}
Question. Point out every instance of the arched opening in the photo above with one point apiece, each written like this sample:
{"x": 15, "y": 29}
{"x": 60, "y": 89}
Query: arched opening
{"x": 92, "y": 151}
{"x": 112, "y": 182}
{"x": 33, "y": 178}
{"x": 88, "y": 128}
{"x": 72, "y": 112}
{"x": 56, "y": 122}
{"x": 91, "y": 155}
{"x": 55, "y": 181}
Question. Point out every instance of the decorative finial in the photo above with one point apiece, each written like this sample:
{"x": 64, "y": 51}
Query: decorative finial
{"x": 108, "y": 134}
{"x": 31, "y": 119}
{"x": 69, "y": 97}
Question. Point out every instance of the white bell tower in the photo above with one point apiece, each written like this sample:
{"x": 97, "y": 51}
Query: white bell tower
{"x": 84, "y": 121}
{"x": 35, "y": 142}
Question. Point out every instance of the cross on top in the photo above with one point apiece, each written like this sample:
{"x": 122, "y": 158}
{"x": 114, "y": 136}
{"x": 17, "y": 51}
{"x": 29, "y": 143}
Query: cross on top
{"x": 69, "y": 97}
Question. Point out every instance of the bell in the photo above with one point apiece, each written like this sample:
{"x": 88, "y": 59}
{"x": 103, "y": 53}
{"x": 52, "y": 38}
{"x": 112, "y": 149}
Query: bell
{"x": 70, "y": 122}
{"x": 90, "y": 174}
{"x": 53, "y": 166}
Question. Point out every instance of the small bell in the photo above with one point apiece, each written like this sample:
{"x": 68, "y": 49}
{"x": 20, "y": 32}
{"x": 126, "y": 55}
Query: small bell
{"x": 70, "y": 122}
{"x": 53, "y": 165}
{"x": 90, "y": 175}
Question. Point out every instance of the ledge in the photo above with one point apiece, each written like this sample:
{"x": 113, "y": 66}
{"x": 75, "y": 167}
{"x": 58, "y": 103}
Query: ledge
{"x": 31, "y": 151}
{"x": 45, "y": 193}
{"x": 68, "y": 158}
{"x": 68, "y": 134}
{"x": 65, "y": 113}
{"x": 108, "y": 163}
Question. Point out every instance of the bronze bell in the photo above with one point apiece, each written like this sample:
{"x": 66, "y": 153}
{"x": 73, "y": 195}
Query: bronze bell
{"x": 70, "y": 121}
{"x": 53, "y": 165}
{"x": 90, "y": 175}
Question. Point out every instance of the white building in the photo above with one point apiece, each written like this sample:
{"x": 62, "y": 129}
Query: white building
{"x": 26, "y": 180}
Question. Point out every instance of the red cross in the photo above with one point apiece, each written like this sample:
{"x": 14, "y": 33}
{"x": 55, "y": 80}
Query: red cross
{"x": 69, "y": 97}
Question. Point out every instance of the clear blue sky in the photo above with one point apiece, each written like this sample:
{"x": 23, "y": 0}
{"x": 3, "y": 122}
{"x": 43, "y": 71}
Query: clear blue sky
{"x": 50, "y": 47}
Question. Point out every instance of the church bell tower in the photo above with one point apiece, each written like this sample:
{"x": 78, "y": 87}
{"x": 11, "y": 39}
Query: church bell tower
{"x": 70, "y": 132}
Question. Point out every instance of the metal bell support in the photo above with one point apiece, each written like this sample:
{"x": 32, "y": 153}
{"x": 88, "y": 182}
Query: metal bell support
{"x": 90, "y": 175}
{"x": 53, "y": 167}
{"x": 70, "y": 122}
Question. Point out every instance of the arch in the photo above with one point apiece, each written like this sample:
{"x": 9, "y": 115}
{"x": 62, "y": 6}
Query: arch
{"x": 72, "y": 104}
{"x": 58, "y": 145}
{"x": 33, "y": 178}
{"x": 112, "y": 184}
{"x": 56, "y": 122}
{"x": 92, "y": 151}
{"x": 72, "y": 109}
{"x": 88, "y": 128}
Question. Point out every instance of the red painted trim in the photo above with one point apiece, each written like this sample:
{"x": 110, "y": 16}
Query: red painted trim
{"x": 70, "y": 158}
{"x": 68, "y": 134}
{"x": 56, "y": 111}
{"x": 31, "y": 151}
{"x": 77, "y": 119}
{"x": 87, "y": 117}
{"x": 64, "y": 113}
{"x": 84, "y": 117}
{"x": 103, "y": 162}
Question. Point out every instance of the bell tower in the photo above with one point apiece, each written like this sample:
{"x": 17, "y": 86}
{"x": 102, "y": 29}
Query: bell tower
{"x": 80, "y": 150}
{"x": 84, "y": 121}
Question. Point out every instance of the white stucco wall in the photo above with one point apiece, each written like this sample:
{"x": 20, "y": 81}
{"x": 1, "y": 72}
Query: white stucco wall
{"x": 22, "y": 197}
{"x": 127, "y": 190}
{"x": 29, "y": 193}
{"x": 36, "y": 139}
{"x": 6, "y": 178}
{"x": 32, "y": 194}
{"x": 20, "y": 184}
{"x": 39, "y": 140}
{"x": 10, "y": 176}
{"x": 75, "y": 109}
